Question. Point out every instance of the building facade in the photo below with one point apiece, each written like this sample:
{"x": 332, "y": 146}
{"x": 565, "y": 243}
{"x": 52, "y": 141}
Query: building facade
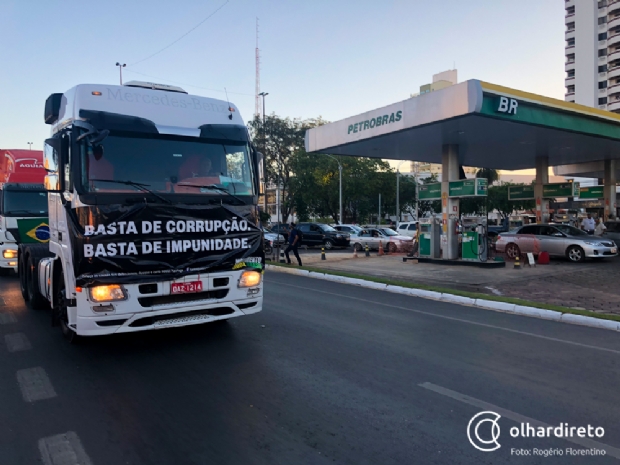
{"x": 593, "y": 53}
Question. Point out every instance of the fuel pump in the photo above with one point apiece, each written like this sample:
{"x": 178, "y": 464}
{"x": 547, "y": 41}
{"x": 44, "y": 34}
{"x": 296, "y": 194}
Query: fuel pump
{"x": 430, "y": 237}
{"x": 474, "y": 244}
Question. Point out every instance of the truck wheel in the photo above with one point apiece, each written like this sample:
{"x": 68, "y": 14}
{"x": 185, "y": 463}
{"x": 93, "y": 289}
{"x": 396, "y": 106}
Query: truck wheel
{"x": 37, "y": 301}
{"x": 60, "y": 312}
{"x": 23, "y": 277}
{"x": 329, "y": 244}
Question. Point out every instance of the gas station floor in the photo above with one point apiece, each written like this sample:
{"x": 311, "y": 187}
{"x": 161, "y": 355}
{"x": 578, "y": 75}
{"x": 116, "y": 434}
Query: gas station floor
{"x": 593, "y": 285}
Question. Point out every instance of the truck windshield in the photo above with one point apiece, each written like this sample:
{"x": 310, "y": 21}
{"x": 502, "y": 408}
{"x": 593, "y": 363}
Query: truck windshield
{"x": 24, "y": 203}
{"x": 167, "y": 165}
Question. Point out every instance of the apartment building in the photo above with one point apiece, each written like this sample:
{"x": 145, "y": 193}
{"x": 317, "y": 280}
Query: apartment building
{"x": 593, "y": 53}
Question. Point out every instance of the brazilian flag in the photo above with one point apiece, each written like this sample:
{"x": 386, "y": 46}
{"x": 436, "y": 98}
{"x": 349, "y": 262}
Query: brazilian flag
{"x": 33, "y": 230}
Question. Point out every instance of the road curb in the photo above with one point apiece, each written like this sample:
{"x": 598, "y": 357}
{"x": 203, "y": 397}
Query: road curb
{"x": 504, "y": 307}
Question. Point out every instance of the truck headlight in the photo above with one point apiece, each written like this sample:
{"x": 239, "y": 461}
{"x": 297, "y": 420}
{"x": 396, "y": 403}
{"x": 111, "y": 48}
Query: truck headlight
{"x": 107, "y": 293}
{"x": 9, "y": 253}
{"x": 250, "y": 279}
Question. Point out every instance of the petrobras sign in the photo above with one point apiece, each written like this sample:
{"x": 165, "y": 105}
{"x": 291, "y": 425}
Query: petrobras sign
{"x": 376, "y": 121}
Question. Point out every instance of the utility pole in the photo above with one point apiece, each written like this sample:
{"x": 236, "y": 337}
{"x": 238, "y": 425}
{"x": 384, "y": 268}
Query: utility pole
{"x": 120, "y": 70}
{"x": 340, "y": 185}
{"x": 379, "y": 219}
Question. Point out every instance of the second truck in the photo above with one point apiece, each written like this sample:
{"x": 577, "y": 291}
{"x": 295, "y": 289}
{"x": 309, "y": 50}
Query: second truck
{"x": 23, "y": 204}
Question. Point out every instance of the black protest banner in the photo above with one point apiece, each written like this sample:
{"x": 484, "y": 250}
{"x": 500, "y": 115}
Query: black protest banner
{"x": 139, "y": 243}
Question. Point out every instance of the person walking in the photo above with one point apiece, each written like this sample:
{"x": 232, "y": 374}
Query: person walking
{"x": 588, "y": 225}
{"x": 600, "y": 227}
{"x": 293, "y": 244}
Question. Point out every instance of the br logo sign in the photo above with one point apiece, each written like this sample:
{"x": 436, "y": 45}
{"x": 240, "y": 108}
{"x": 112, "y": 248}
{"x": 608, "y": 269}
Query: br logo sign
{"x": 507, "y": 105}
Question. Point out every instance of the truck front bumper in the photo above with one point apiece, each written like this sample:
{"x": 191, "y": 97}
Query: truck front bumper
{"x": 157, "y": 310}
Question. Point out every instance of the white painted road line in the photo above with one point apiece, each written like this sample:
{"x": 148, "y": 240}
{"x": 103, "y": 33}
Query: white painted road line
{"x": 35, "y": 384}
{"x": 585, "y": 442}
{"x": 17, "y": 342}
{"x": 7, "y": 318}
{"x": 63, "y": 449}
{"x": 462, "y": 320}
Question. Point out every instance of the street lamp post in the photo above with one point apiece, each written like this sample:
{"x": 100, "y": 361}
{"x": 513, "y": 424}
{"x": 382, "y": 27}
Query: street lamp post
{"x": 340, "y": 185}
{"x": 29, "y": 145}
{"x": 120, "y": 70}
{"x": 398, "y": 192}
{"x": 263, "y": 94}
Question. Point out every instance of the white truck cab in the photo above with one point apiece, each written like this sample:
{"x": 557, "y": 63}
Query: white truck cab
{"x": 152, "y": 212}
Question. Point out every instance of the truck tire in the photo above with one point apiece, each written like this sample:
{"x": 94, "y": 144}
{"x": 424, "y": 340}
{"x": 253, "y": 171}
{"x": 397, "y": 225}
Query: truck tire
{"x": 34, "y": 256}
{"x": 21, "y": 271}
{"x": 61, "y": 311}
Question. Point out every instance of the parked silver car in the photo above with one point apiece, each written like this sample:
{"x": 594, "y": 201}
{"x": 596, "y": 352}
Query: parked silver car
{"x": 390, "y": 239}
{"x": 351, "y": 229}
{"x": 272, "y": 240}
{"x": 560, "y": 240}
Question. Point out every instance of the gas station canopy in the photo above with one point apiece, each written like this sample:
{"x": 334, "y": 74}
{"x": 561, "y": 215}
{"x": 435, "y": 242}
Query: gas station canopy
{"x": 493, "y": 126}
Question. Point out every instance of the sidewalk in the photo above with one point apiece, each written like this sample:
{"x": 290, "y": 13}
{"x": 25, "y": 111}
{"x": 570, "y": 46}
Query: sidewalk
{"x": 591, "y": 286}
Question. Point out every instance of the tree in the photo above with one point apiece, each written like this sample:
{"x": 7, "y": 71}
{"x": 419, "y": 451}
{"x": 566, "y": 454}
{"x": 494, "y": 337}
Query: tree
{"x": 278, "y": 139}
{"x": 489, "y": 174}
{"x": 315, "y": 186}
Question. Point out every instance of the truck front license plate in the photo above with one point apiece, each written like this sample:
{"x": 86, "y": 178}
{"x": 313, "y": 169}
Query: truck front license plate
{"x": 186, "y": 288}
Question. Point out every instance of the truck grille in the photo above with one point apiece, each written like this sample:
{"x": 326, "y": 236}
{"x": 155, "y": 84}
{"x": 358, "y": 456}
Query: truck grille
{"x": 181, "y": 298}
{"x": 181, "y": 317}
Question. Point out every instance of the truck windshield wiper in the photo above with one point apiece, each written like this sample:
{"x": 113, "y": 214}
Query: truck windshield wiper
{"x": 138, "y": 185}
{"x": 214, "y": 188}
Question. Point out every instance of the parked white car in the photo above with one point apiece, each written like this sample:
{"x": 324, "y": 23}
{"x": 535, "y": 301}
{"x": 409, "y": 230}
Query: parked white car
{"x": 407, "y": 228}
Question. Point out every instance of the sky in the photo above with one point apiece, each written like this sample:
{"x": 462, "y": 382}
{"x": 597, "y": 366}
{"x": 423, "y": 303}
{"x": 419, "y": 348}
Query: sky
{"x": 329, "y": 58}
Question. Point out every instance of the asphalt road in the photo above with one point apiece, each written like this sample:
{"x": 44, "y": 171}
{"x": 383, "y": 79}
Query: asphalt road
{"x": 327, "y": 373}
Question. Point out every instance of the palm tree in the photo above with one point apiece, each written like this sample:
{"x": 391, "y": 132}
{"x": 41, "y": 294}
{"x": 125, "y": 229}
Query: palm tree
{"x": 490, "y": 175}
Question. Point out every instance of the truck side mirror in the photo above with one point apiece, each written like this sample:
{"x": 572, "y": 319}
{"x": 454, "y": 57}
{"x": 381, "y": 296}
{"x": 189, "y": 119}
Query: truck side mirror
{"x": 260, "y": 161}
{"x": 51, "y": 150}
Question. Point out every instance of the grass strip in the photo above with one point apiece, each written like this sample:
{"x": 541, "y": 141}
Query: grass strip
{"x": 445, "y": 290}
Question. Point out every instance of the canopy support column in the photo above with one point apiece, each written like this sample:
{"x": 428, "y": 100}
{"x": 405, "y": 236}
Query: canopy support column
{"x": 609, "y": 189}
{"x": 542, "y": 177}
{"x": 449, "y": 207}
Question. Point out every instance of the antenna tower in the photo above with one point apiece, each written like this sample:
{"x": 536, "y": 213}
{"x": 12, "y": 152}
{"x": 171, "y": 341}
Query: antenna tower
{"x": 257, "y": 90}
